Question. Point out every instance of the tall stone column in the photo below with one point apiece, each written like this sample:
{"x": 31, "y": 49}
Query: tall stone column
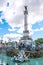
{"x": 26, "y": 32}
{"x": 25, "y": 18}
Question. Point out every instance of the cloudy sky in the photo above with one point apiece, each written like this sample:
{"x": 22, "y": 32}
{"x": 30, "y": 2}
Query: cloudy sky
{"x": 12, "y": 18}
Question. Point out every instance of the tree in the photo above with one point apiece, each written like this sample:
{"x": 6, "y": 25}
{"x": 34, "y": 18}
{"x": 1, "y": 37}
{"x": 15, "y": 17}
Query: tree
{"x": 39, "y": 40}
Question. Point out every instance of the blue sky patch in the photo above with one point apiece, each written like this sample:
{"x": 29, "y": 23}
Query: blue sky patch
{"x": 4, "y": 27}
{"x": 37, "y": 25}
{"x": 37, "y": 35}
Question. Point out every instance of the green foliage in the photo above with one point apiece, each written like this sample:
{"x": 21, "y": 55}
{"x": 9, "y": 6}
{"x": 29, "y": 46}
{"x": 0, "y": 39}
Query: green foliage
{"x": 39, "y": 40}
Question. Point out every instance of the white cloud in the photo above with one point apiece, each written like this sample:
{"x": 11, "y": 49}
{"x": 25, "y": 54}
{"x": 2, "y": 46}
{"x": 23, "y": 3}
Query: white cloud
{"x": 11, "y": 29}
{"x": 5, "y": 39}
{"x": 21, "y": 30}
{"x": 0, "y": 38}
{"x": 41, "y": 28}
{"x": 12, "y": 36}
{"x": 14, "y": 13}
{"x": 38, "y": 29}
{"x": 0, "y": 20}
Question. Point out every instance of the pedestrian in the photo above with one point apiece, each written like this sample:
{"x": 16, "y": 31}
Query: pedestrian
{"x": 7, "y": 64}
{"x": 18, "y": 64}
